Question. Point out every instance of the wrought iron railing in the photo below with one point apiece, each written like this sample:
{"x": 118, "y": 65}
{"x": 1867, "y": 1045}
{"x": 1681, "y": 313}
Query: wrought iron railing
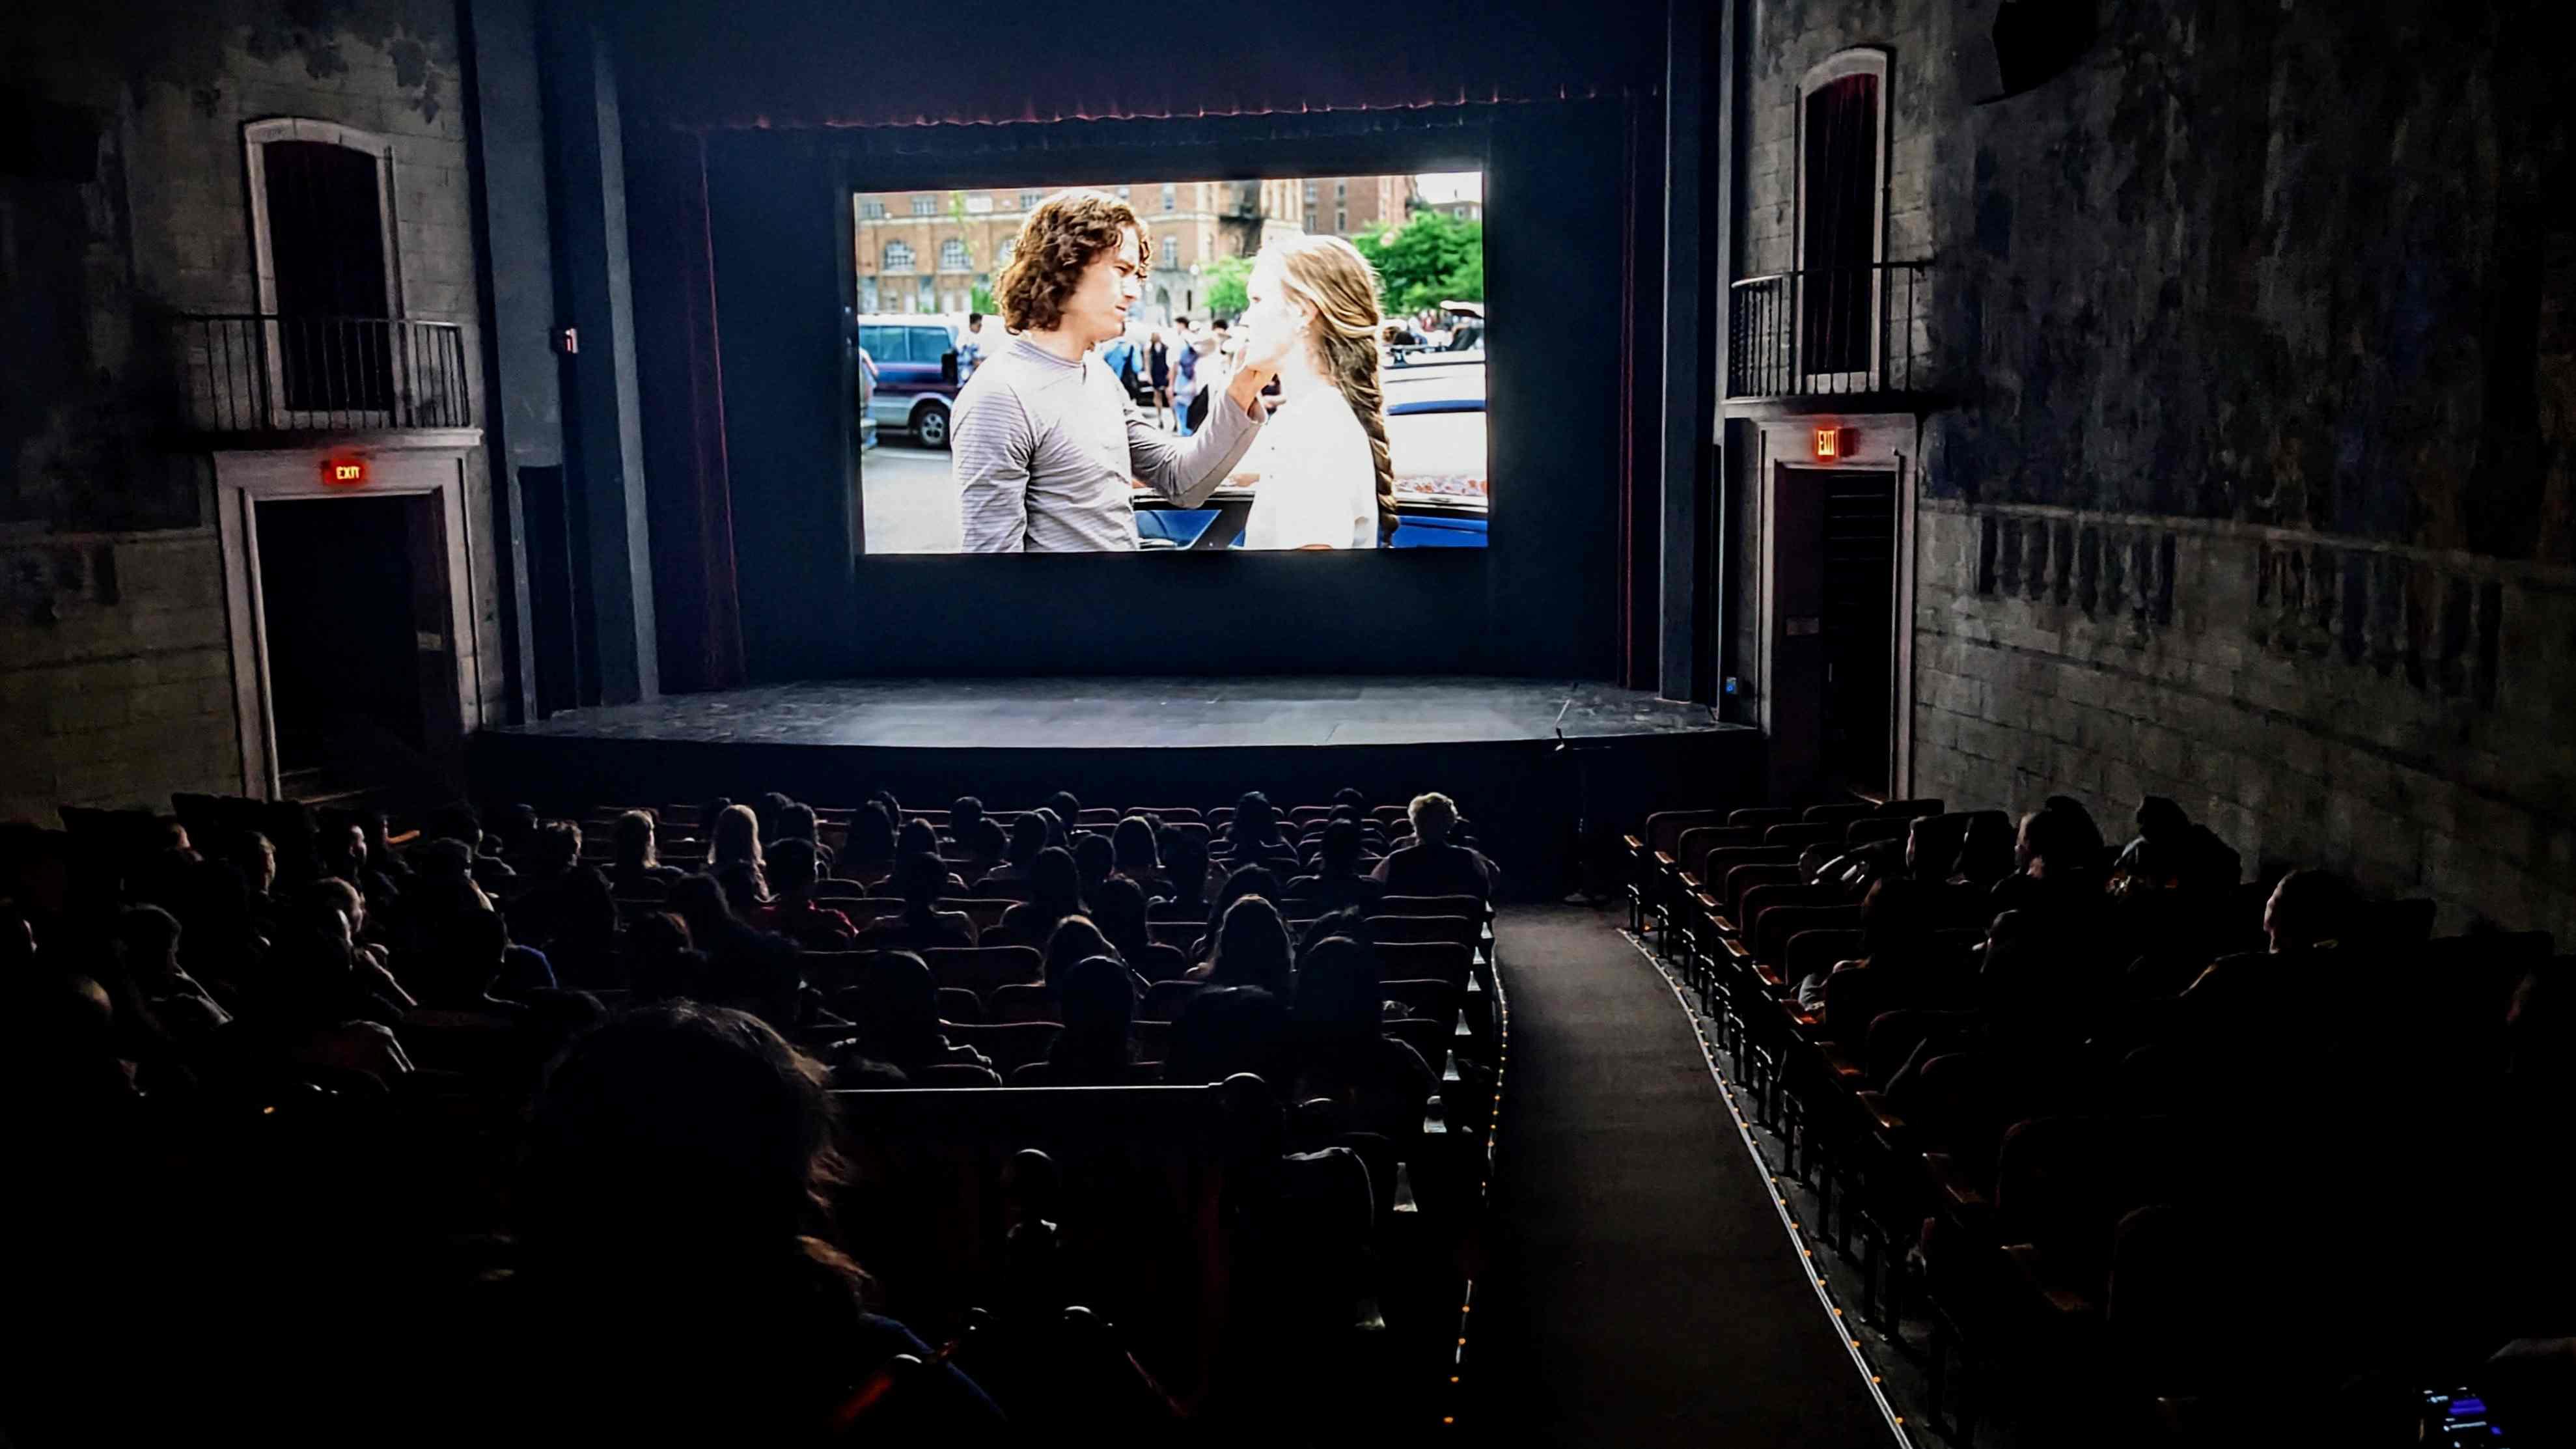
{"x": 1828, "y": 331}
{"x": 270, "y": 373}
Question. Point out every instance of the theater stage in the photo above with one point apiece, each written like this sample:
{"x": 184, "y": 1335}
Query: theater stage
{"x": 1492, "y": 742}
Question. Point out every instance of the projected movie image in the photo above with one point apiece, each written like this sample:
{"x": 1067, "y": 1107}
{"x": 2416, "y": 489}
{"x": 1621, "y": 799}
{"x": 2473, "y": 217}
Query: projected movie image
{"x": 1173, "y": 366}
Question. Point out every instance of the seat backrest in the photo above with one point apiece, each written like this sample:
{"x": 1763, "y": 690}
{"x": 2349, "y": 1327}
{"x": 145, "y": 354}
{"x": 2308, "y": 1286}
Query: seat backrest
{"x": 1909, "y": 809}
{"x": 1027, "y": 1002}
{"x": 1759, "y": 817}
{"x": 1009, "y": 1044}
{"x": 1153, "y": 1039}
{"x": 1098, "y": 817}
{"x": 985, "y": 911}
{"x": 1164, "y": 1000}
{"x": 1468, "y": 906}
{"x": 957, "y": 1004}
{"x": 1664, "y": 828}
{"x": 1398, "y": 930}
{"x": 1444, "y": 961}
{"x": 1168, "y": 814}
{"x": 1429, "y": 1037}
{"x": 1133, "y": 1177}
{"x": 1802, "y": 835}
{"x": 984, "y": 969}
{"x": 1876, "y": 827}
{"x": 1432, "y": 999}
{"x": 1836, "y": 811}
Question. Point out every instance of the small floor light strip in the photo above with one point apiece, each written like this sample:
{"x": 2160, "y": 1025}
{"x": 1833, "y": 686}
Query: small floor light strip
{"x": 1453, "y": 1404}
{"x": 1835, "y": 1318}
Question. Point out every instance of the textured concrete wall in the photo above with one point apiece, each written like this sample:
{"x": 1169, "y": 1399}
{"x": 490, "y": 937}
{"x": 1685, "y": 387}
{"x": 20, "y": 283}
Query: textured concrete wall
{"x": 125, "y": 205}
{"x": 2253, "y": 481}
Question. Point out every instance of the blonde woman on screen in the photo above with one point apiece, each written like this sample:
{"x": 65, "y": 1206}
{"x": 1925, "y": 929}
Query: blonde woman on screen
{"x": 1323, "y": 477}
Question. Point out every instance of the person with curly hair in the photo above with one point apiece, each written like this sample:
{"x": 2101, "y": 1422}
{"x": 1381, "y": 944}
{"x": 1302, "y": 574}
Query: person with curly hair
{"x": 1045, "y": 443}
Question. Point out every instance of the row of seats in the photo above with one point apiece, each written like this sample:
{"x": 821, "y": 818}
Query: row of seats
{"x": 2049, "y": 1130}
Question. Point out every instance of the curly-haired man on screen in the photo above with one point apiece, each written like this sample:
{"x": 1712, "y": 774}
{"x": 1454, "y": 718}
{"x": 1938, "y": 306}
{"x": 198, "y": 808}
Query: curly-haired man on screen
{"x": 1045, "y": 440}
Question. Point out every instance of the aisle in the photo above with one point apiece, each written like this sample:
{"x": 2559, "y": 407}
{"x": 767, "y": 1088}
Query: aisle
{"x": 1640, "y": 1290}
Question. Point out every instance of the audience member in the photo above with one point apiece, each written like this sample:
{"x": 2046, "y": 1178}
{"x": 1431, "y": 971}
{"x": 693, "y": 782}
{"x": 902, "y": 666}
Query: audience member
{"x": 638, "y": 869}
{"x": 670, "y": 1288}
{"x": 921, "y": 926}
{"x": 1251, "y": 949}
{"x": 1055, "y": 892}
{"x": 898, "y": 1017}
{"x": 794, "y": 868}
{"x": 1097, "y": 1002}
{"x": 1431, "y": 865}
{"x": 1337, "y": 882}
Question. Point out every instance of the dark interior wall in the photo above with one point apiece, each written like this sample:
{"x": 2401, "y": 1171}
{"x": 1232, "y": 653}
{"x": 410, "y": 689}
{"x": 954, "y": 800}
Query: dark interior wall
{"x": 2251, "y": 479}
{"x": 1542, "y": 599}
{"x": 2279, "y": 264}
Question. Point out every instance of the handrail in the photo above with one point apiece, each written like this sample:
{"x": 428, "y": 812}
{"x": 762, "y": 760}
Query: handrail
{"x": 247, "y": 372}
{"x": 1824, "y": 331}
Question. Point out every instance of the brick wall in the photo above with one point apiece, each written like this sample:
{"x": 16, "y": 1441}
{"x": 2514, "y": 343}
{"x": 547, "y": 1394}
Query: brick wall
{"x": 114, "y": 673}
{"x": 2392, "y": 712}
{"x": 118, "y": 682}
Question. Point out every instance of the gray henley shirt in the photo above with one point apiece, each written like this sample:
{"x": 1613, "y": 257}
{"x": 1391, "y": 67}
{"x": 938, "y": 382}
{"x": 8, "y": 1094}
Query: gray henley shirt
{"x": 1043, "y": 450}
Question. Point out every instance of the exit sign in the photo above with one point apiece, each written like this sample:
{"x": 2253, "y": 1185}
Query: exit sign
{"x": 1834, "y": 444}
{"x": 344, "y": 472}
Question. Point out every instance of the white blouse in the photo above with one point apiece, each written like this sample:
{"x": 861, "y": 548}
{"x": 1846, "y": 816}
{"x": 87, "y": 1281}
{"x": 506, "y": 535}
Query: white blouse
{"x": 1318, "y": 480}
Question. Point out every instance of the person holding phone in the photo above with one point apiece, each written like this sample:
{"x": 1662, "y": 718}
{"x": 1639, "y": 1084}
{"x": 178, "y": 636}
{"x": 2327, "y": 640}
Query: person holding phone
{"x": 1044, "y": 445}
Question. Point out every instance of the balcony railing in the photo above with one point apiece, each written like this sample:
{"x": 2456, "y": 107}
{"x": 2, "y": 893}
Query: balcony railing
{"x": 1828, "y": 332}
{"x": 249, "y": 373}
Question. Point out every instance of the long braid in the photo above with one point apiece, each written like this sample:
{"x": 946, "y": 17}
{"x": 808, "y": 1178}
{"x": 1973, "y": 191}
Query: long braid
{"x": 1354, "y": 362}
{"x": 1330, "y": 273}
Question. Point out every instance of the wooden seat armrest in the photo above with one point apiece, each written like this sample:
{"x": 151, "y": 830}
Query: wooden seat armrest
{"x": 2064, "y": 1302}
{"x": 1875, "y": 1104}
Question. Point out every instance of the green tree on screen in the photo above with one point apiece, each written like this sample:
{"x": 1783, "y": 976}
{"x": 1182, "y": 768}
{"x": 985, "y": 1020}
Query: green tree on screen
{"x": 1224, "y": 282}
{"x": 982, "y": 301}
{"x": 1430, "y": 259}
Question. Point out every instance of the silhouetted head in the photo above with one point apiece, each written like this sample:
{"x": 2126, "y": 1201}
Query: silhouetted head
{"x": 1028, "y": 837}
{"x": 636, "y": 847}
{"x": 920, "y": 878}
{"x": 737, "y": 837}
{"x": 676, "y": 1128}
{"x": 1132, "y": 847}
{"x": 1252, "y": 947}
{"x": 1074, "y": 939}
{"x": 1340, "y": 852}
{"x": 1433, "y": 815}
{"x": 794, "y": 866}
{"x": 1097, "y": 996}
{"x": 1338, "y": 989}
{"x": 2309, "y": 908}
{"x": 1055, "y": 882}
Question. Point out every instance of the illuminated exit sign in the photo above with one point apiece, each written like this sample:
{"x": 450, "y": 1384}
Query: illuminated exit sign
{"x": 344, "y": 472}
{"x": 1833, "y": 444}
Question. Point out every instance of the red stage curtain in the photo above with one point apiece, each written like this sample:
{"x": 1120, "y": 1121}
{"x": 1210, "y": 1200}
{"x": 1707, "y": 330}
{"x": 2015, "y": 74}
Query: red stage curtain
{"x": 804, "y": 63}
{"x": 680, "y": 387}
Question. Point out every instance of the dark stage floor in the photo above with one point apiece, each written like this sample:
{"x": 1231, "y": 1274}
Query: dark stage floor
{"x": 1490, "y": 743}
{"x": 1123, "y": 714}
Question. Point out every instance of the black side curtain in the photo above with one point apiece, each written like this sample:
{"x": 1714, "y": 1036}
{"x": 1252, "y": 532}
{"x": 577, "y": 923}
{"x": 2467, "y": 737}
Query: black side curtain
{"x": 680, "y": 386}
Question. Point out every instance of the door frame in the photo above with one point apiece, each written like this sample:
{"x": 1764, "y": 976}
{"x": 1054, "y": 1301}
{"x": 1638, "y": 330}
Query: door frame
{"x": 245, "y": 479}
{"x": 1783, "y": 457}
{"x": 1842, "y": 65}
{"x": 256, "y": 138}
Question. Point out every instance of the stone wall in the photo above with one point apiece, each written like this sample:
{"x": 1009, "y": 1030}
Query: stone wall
{"x": 2389, "y": 711}
{"x": 126, "y": 206}
{"x": 2249, "y": 474}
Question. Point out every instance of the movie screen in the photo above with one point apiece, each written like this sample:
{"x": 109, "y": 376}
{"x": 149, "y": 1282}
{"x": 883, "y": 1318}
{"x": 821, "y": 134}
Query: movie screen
{"x": 1168, "y": 366}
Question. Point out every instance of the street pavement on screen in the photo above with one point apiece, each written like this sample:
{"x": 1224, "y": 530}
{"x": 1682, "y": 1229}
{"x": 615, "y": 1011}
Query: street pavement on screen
{"x": 909, "y": 498}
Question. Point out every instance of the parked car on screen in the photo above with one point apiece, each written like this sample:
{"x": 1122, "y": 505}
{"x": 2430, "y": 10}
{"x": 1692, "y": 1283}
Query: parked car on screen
{"x": 1435, "y": 437}
{"x": 916, "y": 361}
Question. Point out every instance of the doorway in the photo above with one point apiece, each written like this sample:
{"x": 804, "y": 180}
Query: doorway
{"x": 1859, "y": 632}
{"x": 354, "y": 617}
{"x": 1832, "y": 558}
